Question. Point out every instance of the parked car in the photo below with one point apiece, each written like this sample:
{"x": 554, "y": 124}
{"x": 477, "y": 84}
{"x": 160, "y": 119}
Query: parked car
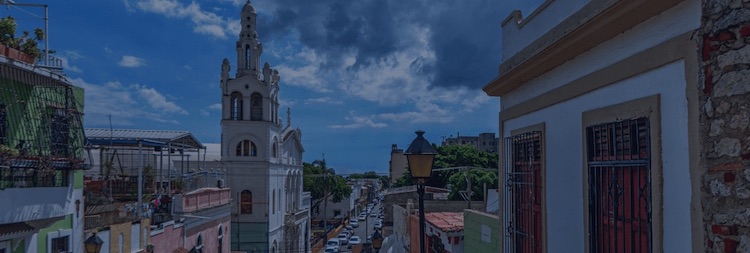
{"x": 354, "y": 223}
{"x": 333, "y": 242}
{"x": 354, "y": 241}
{"x": 373, "y": 215}
{"x": 362, "y": 217}
{"x": 378, "y": 225}
{"x": 350, "y": 227}
{"x": 343, "y": 239}
{"x": 331, "y": 249}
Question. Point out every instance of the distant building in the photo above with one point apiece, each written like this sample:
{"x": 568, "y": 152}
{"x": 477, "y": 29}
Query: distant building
{"x": 444, "y": 232}
{"x": 41, "y": 158}
{"x": 485, "y": 141}
{"x": 398, "y": 164}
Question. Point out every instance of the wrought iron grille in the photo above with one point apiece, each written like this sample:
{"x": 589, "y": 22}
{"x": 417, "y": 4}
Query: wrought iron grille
{"x": 619, "y": 186}
{"x": 523, "y": 195}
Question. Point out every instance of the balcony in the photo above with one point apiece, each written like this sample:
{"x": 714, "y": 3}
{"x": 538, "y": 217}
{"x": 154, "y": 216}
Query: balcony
{"x": 201, "y": 199}
{"x": 296, "y": 218}
{"x": 27, "y": 204}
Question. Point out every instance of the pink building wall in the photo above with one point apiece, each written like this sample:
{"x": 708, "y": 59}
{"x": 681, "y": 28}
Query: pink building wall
{"x": 204, "y": 198}
{"x": 210, "y": 234}
{"x": 169, "y": 239}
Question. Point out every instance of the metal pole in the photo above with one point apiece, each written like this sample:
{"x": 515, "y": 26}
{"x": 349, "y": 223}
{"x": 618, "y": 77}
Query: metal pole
{"x": 169, "y": 168}
{"x": 140, "y": 177}
{"x": 46, "y": 36}
{"x": 420, "y": 191}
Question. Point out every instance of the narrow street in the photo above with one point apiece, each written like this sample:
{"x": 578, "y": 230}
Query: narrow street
{"x": 365, "y": 229}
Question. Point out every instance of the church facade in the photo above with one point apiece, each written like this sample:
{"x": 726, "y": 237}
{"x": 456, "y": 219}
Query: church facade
{"x": 261, "y": 156}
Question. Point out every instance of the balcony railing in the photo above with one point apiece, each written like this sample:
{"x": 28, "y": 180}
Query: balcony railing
{"x": 201, "y": 200}
{"x": 296, "y": 217}
{"x": 14, "y": 177}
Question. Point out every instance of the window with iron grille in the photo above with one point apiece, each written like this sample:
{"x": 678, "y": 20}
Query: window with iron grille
{"x": 619, "y": 186}
{"x": 524, "y": 188}
{"x": 60, "y": 245}
{"x": 60, "y": 132}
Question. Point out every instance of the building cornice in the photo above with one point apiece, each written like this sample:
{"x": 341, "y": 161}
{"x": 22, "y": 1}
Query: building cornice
{"x": 593, "y": 24}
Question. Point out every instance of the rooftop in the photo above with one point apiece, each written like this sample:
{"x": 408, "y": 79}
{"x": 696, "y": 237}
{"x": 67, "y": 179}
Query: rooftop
{"x": 446, "y": 221}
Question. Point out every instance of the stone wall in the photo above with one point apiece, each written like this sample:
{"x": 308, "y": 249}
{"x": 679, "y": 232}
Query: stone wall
{"x": 725, "y": 140}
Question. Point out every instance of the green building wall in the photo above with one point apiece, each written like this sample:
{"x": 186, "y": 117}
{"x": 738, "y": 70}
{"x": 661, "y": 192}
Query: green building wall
{"x": 41, "y": 237}
{"x": 474, "y": 221}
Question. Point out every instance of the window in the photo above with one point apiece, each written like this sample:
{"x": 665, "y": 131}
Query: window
{"x": 236, "y": 106}
{"x": 120, "y": 242}
{"x": 619, "y": 186}
{"x": 256, "y": 107}
{"x": 59, "y": 132}
{"x": 246, "y": 148}
{"x": 524, "y": 193}
{"x": 60, "y": 245}
{"x": 336, "y": 213}
{"x": 246, "y": 202}
{"x": 199, "y": 243}
{"x": 220, "y": 239}
{"x": 248, "y": 56}
{"x": 273, "y": 203}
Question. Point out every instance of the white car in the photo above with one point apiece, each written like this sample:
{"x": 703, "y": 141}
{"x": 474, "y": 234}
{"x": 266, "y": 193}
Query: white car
{"x": 373, "y": 215}
{"x": 378, "y": 225}
{"x": 362, "y": 217}
{"x": 343, "y": 238}
{"x": 332, "y": 249}
{"x": 333, "y": 242}
{"x": 354, "y": 241}
{"x": 349, "y": 227}
{"x": 354, "y": 224}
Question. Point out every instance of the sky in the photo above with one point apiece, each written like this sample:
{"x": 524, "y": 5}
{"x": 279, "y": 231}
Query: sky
{"x": 358, "y": 76}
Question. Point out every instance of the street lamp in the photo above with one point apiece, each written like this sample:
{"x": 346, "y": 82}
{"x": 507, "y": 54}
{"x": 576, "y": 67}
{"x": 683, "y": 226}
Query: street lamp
{"x": 377, "y": 241}
{"x": 93, "y": 244}
{"x": 420, "y": 155}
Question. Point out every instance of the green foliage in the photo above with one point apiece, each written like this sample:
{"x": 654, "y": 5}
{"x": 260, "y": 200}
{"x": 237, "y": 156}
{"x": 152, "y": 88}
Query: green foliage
{"x": 384, "y": 180}
{"x": 458, "y": 156}
{"x": 25, "y": 43}
{"x": 322, "y": 182}
{"x": 8, "y": 151}
{"x": 478, "y": 179}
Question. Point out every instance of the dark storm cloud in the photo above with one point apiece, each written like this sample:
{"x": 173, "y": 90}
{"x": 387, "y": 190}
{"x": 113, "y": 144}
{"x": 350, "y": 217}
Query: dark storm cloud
{"x": 464, "y": 35}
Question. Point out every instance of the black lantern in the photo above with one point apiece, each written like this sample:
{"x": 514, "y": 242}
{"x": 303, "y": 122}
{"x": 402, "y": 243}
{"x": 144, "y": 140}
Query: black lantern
{"x": 377, "y": 241}
{"x": 93, "y": 244}
{"x": 420, "y": 155}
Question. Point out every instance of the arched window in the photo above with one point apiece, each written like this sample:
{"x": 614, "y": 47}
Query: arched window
{"x": 246, "y": 148}
{"x": 246, "y": 202}
{"x": 199, "y": 243}
{"x": 120, "y": 241}
{"x": 274, "y": 149}
{"x": 220, "y": 239}
{"x": 236, "y": 106}
{"x": 256, "y": 107}
{"x": 248, "y": 56}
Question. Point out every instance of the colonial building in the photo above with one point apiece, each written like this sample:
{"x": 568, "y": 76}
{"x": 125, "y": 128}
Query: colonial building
{"x": 625, "y": 126}
{"x": 262, "y": 157}
{"x": 41, "y": 157}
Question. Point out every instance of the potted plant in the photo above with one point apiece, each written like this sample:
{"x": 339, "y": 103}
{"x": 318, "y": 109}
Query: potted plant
{"x": 24, "y": 48}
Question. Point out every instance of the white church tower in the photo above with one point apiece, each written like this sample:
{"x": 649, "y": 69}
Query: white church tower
{"x": 262, "y": 157}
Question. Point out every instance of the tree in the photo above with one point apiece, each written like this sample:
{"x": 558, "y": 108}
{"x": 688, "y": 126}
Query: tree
{"x": 478, "y": 179}
{"x": 453, "y": 156}
{"x": 25, "y": 43}
{"x": 324, "y": 184}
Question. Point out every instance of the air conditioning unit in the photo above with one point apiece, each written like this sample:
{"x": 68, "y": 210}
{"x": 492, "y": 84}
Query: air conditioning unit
{"x": 220, "y": 183}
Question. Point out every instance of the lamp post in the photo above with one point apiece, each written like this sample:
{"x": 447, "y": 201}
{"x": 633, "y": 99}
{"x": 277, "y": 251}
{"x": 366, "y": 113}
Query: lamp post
{"x": 377, "y": 241}
{"x": 420, "y": 156}
{"x": 93, "y": 244}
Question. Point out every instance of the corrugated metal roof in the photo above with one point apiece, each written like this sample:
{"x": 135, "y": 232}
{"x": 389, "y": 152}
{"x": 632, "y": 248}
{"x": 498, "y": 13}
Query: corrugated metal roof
{"x": 176, "y": 138}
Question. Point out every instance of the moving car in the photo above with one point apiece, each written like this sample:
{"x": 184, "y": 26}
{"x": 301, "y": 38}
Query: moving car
{"x": 350, "y": 227}
{"x": 354, "y": 223}
{"x": 362, "y": 217}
